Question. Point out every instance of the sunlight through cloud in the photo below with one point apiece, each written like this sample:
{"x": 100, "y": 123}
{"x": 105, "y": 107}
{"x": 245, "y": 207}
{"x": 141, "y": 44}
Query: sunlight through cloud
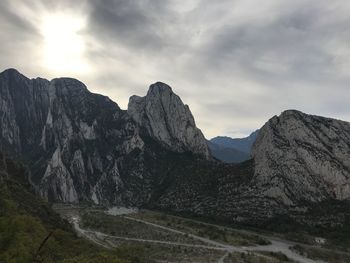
{"x": 64, "y": 45}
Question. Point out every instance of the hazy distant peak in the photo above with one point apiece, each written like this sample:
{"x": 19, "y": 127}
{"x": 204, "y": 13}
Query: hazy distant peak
{"x": 241, "y": 144}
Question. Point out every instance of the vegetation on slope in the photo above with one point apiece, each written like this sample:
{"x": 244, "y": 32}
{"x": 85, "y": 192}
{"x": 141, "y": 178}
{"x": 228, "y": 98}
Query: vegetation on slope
{"x": 30, "y": 231}
{"x": 333, "y": 226}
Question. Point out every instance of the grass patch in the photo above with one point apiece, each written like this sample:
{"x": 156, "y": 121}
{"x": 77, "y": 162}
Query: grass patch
{"x": 217, "y": 233}
{"x": 268, "y": 257}
{"x": 123, "y": 227}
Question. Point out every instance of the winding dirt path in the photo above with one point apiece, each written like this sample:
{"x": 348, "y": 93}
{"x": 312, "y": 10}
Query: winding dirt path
{"x": 104, "y": 240}
{"x": 277, "y": 245}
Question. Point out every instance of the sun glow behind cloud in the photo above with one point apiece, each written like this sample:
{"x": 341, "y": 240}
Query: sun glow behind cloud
{"x": 64, "y": 44}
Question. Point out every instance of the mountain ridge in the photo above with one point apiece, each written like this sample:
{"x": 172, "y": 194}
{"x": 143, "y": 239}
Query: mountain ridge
{"x": 78, "y": 143}
{"x": 81, "y": 147}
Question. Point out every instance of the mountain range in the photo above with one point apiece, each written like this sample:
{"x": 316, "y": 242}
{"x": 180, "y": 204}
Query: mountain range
{"x": 226, "y": 154}
{"x": 232, "y": 150}
{"x": 240, "y": 144}
{"x": 81, "y": 147}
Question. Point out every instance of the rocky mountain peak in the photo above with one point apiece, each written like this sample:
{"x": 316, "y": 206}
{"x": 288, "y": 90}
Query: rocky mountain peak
{"x": 164, "y": 117}
{"x": 159, "y": 89}
{"x": 10, "y": 71}
{"x": 12, "y": 74}
{"x": 303, "y": 157}
{"x": 69, "y": 87}
{"x": 69, "y": 83}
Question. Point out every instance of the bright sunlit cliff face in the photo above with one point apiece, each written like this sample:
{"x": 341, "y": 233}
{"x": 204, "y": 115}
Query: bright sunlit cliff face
{"x": 64, "y": 44}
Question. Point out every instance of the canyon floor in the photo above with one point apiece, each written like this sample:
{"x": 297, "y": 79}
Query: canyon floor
{"x": 169, "y": 238}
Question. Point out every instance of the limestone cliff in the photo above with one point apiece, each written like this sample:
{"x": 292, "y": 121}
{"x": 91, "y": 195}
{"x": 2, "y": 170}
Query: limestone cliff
{"x": 71, "y": 139}
{"x": 303, "y": 157}
{"x": 165, "y": 118}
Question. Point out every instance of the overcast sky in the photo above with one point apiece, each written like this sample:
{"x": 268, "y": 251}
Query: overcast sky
{"x": 236, "y": 63}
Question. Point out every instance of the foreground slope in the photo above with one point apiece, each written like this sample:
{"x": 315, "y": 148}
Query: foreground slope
{"x": 26, "y": 222}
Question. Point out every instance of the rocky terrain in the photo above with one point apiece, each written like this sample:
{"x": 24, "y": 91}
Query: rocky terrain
{"x": 81, "y": 147}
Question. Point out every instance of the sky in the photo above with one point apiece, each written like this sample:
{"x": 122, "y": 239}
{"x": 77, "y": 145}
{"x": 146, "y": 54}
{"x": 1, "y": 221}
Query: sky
{"x": 236, "y": 63}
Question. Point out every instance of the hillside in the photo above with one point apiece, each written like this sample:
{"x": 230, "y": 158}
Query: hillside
{"x": 30, "y": 231}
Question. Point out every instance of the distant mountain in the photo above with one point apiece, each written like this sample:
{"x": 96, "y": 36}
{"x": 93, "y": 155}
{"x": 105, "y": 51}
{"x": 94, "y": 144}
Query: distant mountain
{"x": 240, "y": 144}
{"x": 232, "y": 150}
{"x": 227, "y": 155}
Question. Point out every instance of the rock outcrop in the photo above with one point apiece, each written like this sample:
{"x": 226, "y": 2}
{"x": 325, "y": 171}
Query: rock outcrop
{"x": 300, "y": 157}
{"x": 165, "y": 118}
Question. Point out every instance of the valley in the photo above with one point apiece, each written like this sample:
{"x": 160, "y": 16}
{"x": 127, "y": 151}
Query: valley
{"x": 289, "y": 202}
{"x": 174, "y": 131}
{"x": 169, "y": 238}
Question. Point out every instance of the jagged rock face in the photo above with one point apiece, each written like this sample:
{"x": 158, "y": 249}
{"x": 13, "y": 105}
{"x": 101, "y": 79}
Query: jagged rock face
{"x": 300, "y": 157}
{"x": 81, "y": 146}
{"x": 74, "y": 141}
{"x": 164, "y": 117}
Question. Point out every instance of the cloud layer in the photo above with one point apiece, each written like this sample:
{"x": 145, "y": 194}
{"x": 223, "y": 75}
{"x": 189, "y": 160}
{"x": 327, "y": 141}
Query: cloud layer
{"x": 235, "y": 62}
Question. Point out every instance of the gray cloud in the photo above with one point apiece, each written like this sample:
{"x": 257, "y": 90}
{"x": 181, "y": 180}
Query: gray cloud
{"x": 137, "y": 24}
{"x": 235, "y": 62}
